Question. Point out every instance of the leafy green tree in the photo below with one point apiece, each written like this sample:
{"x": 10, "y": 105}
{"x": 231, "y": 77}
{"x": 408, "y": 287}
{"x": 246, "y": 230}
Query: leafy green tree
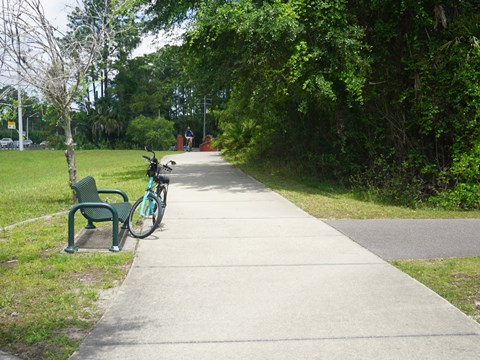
{"x": 421, "y": 100}
{"x": 289, "y": 65}
{"x": 146, "y": 85}
{"x": 167, "y": 13}
{"x": 106, "y": 121}
{"x": 97, "y": 15}
{"x": 155, "y": 132}
{"x": 157, "y": 85}
{"x": 382, "y": 92}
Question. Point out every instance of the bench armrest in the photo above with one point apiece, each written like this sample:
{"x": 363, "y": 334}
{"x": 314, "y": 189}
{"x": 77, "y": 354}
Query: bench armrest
{"x": 114, "y": 191}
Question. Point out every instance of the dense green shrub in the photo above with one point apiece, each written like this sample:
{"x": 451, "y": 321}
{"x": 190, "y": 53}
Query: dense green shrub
{"x": 461, "y": 197}
{"x": 155, "y": 132}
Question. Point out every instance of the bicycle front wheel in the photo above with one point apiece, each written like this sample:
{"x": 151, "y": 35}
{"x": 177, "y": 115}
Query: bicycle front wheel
{"x": 145, "y": 216}
{"x": 162, "y": 198}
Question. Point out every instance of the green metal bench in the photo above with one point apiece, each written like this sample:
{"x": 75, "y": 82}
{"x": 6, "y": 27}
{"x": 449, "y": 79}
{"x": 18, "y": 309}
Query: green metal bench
{"x": 96, "y": 210}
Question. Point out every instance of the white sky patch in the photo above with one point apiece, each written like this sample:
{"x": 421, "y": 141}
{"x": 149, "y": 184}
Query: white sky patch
{"x": 56, "y": 12}
{"x": 152, "y": 43}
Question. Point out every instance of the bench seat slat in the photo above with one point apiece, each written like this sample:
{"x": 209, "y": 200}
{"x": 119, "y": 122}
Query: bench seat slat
{"x": 101, "y": 214}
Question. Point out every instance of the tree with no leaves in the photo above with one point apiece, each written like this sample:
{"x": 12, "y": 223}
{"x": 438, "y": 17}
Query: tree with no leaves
{"x": 37, "y": 54}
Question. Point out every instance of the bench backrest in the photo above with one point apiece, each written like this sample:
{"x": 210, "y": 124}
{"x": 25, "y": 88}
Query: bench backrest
{"x": 86, "y": 190}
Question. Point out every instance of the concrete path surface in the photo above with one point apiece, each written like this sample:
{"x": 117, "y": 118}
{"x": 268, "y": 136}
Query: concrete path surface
{"x": 238, "y": 272}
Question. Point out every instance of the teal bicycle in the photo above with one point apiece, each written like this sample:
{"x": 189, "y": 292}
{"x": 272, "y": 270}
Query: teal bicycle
{"x": 147, "y": 212}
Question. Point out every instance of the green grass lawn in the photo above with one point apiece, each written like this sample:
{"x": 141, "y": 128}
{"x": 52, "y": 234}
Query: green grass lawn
{"x": 49, "y": 300}
{"x": 35, "y": 183}
{"x": 455, "y": 279}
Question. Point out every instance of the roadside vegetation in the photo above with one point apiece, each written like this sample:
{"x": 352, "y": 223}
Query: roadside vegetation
{"x": 382, "y": 95}
{"x": 49, "y": 300}
{"x": 327, "y": 199}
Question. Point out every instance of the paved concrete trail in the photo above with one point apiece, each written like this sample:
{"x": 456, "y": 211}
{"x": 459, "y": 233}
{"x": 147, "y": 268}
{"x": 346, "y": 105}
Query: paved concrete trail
{"x": 238, "y": 272}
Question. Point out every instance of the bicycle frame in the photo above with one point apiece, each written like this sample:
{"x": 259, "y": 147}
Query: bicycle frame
{"x": 149, "y": 190}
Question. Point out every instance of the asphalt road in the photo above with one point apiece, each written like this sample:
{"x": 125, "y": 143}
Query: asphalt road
{"x": 414, "y": 239}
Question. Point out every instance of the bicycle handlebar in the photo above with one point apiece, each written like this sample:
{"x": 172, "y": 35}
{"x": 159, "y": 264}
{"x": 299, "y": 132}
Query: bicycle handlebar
{"x": 154, "y": 159}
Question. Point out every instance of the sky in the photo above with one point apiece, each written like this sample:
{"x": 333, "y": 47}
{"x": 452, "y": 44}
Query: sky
{"x": 56, "y": 12}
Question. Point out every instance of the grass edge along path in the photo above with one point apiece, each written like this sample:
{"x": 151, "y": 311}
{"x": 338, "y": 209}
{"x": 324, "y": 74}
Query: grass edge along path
{"x": 455, "y": 279}
{"x": 50, "y": 300}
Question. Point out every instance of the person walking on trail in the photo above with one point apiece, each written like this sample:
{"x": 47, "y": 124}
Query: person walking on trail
{"x": 189, "y": 138}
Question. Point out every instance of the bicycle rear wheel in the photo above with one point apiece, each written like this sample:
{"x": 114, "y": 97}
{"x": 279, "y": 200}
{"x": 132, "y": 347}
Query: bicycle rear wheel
{"x": 142, "y": 224}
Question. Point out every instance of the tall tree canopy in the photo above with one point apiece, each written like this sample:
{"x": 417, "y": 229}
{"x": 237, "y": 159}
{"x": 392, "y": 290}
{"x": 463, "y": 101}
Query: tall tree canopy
{"x": 384, "y": 91}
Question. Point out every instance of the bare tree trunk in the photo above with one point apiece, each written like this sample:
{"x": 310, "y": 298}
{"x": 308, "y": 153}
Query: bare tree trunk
{"x": 72, "y": 167}
{"x": 70, "y": 152}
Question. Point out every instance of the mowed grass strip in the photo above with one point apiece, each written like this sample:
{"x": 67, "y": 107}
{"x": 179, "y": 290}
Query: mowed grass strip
{"x": 328, "y": 200}
{"x": 455, "y": 279}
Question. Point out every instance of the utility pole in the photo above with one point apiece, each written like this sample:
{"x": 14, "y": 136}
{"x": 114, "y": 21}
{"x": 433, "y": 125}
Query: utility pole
{"x": 20, "y": 120}
{"x": 28, "y": 117}
{"x": 19, "y": 97}
{"x": 205, "y": 114}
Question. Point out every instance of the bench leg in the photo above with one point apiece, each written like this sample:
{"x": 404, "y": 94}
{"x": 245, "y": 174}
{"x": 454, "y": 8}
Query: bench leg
{"x": 90, "y": 225}
{"x": 115, "y": 247}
